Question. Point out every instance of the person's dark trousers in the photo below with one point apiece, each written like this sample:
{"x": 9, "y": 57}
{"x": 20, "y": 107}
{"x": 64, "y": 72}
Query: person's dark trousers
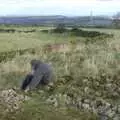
{"x": 27, "y": 81}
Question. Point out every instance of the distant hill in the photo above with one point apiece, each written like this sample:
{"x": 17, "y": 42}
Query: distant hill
{"x": 54, "y": 20}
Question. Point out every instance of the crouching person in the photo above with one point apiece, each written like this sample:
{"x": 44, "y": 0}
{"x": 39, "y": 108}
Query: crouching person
{"x": 41, "y": 74}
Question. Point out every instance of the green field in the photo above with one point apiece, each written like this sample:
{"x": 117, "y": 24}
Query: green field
{"x": 14, "y": 41}
{"x": 87, "y": 76}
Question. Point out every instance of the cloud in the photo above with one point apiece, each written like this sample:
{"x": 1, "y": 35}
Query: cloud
{"x": 67, "y": 7}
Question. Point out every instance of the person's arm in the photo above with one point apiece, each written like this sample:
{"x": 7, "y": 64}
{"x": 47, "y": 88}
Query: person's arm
{"x": 36, "y": 79}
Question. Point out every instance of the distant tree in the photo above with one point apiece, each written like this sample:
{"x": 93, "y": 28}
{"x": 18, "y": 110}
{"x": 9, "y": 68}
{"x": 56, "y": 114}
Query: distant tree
{"x": 117, "y": 15}
{"x": 116, "y": 23}
{"x": 60, "y": 28}
{"x": 75, "y": 29}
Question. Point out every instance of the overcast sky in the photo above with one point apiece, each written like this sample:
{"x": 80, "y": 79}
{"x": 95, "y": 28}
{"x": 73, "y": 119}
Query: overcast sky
{"x": 59, "y": 7}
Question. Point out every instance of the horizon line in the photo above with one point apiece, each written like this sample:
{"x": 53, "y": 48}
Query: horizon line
{"x": 55, "y": 15}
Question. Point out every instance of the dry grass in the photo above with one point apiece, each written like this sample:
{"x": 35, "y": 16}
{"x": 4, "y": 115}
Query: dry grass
{"x": 96, "y": 63}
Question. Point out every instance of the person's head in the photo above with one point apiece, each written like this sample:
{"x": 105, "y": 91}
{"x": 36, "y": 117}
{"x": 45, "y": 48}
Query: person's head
{"x": 35, "y": 64}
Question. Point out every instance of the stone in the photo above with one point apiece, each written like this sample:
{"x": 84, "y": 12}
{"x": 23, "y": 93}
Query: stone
{"x": 98, "y": 94}
{"x": 110, "y": 113}
{"x": 97, "y": 84}
{"x": 87, "y": 101}
{"x": 55, "y": 104}
{"x": 115, "y": 108}
{"x": 108, "y": 86}
{"x": 116, "y": 118}
{"x": 11, "y": 99}
{"x": 79, "y": 105}
{"x": 102, "y": 117}
{"x": 115, "y": 94}
{"x": 119, "y": 109}
{"x": 85, "y": 80}
{"x": 86, "y": 89}
{"x": 86, "y": 106}
{"x": 108, "y": 105}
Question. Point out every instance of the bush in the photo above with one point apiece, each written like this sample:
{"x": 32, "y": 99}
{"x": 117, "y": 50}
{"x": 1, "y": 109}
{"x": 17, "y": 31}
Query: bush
{"x": 79, "y": 32}
{"x": 11, "y": 54}
{"x": 60, "y": 29}
{"x": 91, "y": 34}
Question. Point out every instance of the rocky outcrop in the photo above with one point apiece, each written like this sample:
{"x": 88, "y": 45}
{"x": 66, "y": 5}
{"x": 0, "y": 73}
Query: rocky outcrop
{"x": 11, "y": 100}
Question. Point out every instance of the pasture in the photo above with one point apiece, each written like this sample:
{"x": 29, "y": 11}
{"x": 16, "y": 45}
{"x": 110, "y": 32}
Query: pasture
{"x": 87, "y": 72}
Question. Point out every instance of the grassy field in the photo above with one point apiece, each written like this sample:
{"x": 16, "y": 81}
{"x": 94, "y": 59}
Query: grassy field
{"x": 87, "y": 77}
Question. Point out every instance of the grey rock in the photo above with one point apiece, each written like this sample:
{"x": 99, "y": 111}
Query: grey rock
{"x": 115, "y": 94}
{"x": 116, "y": 118}
{"x": 86, "y": 89}
{"x": 115, "y": 108}
{"x": 119, "y": 109}
{"x": 12, "y": 100}
{"x": 87, "y": 101}
{"x": 98, "y": 94}
{"x": 103, "y": 117}
{"x": 79, "y": 105}
{"x": 86, "y": 106}
{"x": 110, "y": 113}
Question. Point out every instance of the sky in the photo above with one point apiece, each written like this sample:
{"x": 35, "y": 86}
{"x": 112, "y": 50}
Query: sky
{"x": 58, "y": 7}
